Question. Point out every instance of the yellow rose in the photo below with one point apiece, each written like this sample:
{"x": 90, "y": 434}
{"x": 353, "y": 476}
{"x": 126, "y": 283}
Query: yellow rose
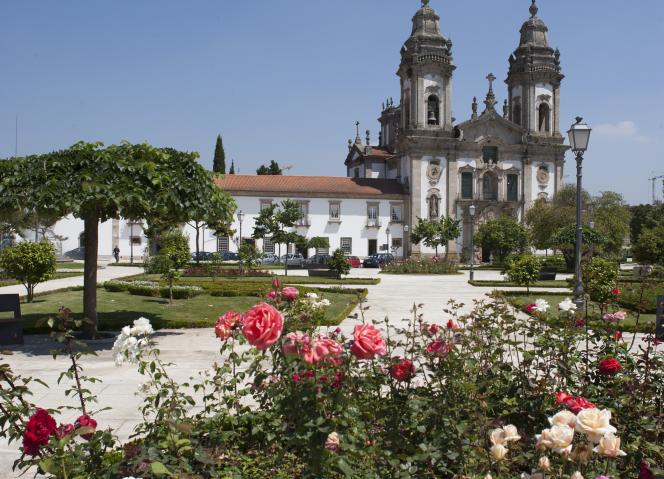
{"x": 594, "y": 423}
{"x": 498, "y": 452}
{"x": 609, "y": 445}
{"x": 558, "y": 439}
{"x": 563, "y": 418}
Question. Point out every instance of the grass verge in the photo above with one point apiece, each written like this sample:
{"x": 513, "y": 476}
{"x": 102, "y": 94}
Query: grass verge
{"x": 12, "y": 282}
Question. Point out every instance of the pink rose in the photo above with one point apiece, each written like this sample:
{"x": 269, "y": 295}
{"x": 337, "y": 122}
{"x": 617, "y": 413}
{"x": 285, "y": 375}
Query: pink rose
{"x": 453, "y": 326}
{"x": 323, "y": 349}
{"x": 295, "y": 343}
{"x": 439, "y": 348}
{"x": 290, "y": 293}
{"x": 276, "y": 284}
{"x": 223, "y": 329}
{"x": 262, "y": 326}
{"x": 87, "y": 422}
{"x": 368, "y": 342}
{"x": 433, "y": 329}
{"x": 613, "y": 317}
{"x": 272, "y": 294}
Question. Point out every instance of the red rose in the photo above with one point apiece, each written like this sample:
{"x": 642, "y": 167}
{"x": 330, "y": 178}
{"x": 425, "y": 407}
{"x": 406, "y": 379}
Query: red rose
{"x": 530, "y": 308}
{"x": 433, "y": 329}
{"x": 296, "y": 378}
{"x": 580, "y": 323}
{"x": 87, "y": 422}
{"x": 609, "y": 366}
{"x": 578, "y": 404}
{"x": 223, "y": 329}
{"x": 616, "y": 292}
{"x": 617, "y": 336}
{"x": 645, "y": 472}
{"x": 339, "y": 377}
{"x": 403, "y": 370}
{"x": 563, "y": 397}
{"x": 39, "y": 428}
{"x": 290, "y": 293}
{"x": 64, "y": 430}
{"x": 452, "y": 325}
{"x": 262, "y": 326}
{"x": 368, "y": 342}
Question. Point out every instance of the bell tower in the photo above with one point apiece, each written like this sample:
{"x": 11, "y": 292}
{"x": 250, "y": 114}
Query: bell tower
{"x": 426, "y": 75}
{"x": 534, "y": 79}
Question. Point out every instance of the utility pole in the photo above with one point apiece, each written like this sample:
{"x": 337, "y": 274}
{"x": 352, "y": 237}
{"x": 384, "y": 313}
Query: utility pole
{"x": 654, "y": 182}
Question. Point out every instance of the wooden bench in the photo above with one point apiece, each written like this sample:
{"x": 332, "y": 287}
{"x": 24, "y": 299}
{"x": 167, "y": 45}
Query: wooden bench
{"x": 547, "y": 275}
{"x": 11, "y": 329}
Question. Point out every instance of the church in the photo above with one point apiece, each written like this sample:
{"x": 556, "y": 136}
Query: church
{"x": 425, "y": 164}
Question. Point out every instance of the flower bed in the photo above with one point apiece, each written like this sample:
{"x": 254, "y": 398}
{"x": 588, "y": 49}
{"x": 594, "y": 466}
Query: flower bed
{"x": 468, "y": 396}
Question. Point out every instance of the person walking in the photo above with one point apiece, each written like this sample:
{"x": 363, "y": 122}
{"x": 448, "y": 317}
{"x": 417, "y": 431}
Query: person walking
{"x": 116, "y": 254}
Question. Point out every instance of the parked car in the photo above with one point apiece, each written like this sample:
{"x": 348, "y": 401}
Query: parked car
{"x": 318, "y": 259}
{"x": 354, "y": 261}
{"x": 228, "y": 256}
{"x": 293, "y": 259}
{"x": 377, "y": 260}
{"x": 269, "y": 258}
{"x": 202, "y": 256}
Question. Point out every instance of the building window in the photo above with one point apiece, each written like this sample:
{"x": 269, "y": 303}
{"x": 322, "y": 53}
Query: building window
{"x": 347, "y": 246}
{"x": 490, "y": 154}
{"x": 304, "y": 214}
{"x": 397, "y": 243}
{"x": 434, "y": 207}
{"x": 516, "y": 112}
{"x": 395, "y": 213}
{"x": 433, "y": 110}
{"x": 136, "y": 240}
{"x": 323, "y": 250}
{"x": 466, "y": 186}
{"x": 335, "y": 211}
{"x": 356, "y": 173}
{"x": 223, "y": 244}
{"x": 490, "y": 187}
{"x": 512, "y": 187}
{"x": 372, "y": 214}
{"x": 265, "y": 204}
{"x": 544, "y": 118}
{"x": 268, "y": 245}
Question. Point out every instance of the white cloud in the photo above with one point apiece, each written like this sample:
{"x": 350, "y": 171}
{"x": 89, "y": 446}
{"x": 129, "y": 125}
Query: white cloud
{"x": 622, "y": 129}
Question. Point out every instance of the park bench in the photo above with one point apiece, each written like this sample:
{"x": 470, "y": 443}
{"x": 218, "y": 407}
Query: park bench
{"x": 547, "y": 275}
{"x": 11, "y": 325}
{"x": 322, "y": 273}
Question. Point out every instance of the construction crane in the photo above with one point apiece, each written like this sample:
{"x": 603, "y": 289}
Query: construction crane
{"x": 654, "y": 190}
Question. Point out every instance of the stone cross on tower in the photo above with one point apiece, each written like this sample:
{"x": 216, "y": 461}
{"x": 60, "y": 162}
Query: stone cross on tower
{"x": 490, "y": 101}
{"x": 425, "y": 3}
{"x": 358, "y": 140}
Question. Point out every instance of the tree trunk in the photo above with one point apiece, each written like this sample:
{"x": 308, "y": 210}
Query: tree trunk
{"x": 31, "y": 292}
{"x": 286, "y": 262}
{"x": 198, "y": 260}
{"x": 91, "y": 235}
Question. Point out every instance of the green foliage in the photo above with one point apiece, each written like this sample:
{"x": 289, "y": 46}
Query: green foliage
{"x": 565, "y": 241}
{"x": 219, "y": 162}
{"x": 503, "y": 236}
{"x": 543, "y": 220}
{"x": 318, "y": 242}
{"x": 276, "y": 220}
{"x": 436, "y": 232}
{"x": 649, "y": 247}
{"x": 272, "y": 169}
{"x": 524, "y": 270}
{"x": 231, "y": 171}
{"x": 29, "y": 263}
{"x": 644, "y": 217}
{"x": 250, "y": 256}
{"x": 421, "y": 266}
{"x": 175, "y": 246}
{"x": 611, "y": 218}
{"x": 599, "y": 279}
{"x": 338, "y": 263}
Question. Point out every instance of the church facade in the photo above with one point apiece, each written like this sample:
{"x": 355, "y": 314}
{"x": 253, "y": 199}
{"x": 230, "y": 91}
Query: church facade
{"x": 425, "y": 164}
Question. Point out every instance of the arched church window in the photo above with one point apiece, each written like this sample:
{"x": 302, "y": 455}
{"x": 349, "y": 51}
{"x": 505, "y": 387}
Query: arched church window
{"x": 490, "y": 187}
{"x": 434, "y": 207}
{"x": 433, "y": 110}
{"x": 543, "y": 120}
{"x": 516, "y": 113}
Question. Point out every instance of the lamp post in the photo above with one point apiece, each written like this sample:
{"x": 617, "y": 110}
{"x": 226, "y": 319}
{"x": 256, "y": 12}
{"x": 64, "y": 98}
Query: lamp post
{"x": 240, "y": 217}
{"x": 579, "y": 136}
{"x": 388, "y": 232}
{"x": 471, "y": 210}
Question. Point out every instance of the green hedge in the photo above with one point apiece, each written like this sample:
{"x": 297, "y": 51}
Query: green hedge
{"x": 142, "y": 290}
{"x": 421, "y": 266}
{"x": 181, "y": 292}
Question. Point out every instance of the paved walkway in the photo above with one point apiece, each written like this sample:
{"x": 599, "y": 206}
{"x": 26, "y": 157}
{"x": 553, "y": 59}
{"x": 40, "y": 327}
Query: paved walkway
{"x": 195, "y": 350}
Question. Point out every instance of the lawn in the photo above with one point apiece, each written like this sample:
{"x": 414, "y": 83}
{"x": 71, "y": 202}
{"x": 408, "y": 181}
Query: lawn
{"x": 119, "y": 309}
{"x": 11, "y": 282}
{"x": 520, "y": 300}
{"x": 70, "y": 265}
{"x": 558, "y": 283}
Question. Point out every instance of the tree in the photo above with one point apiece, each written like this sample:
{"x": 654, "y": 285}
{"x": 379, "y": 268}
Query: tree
{"x": 524, "y": 270}
{"x": 339, "y": 263}
{"x": 232, "y": 169}
{"x": 649, "y": 247}
{"x": 502, "y": 237}
{"x": 175, "y": 245}
{"x": 219, "y": 162}
{"x": 272, "y": 169}
{"x": 644, "y": 217}
{"x": 29, "y": 263}
{"x": 249, "y": 256}
{"x": 275, "y": 221}
{"x": 202, "y": 217}
{"x": 611, "y": 218}
{"x": 436, "y": 232}
{"x": 543, "y": 220}
{"x": 599, "y": 277}
{"x": 565, "y": 241}
{"x": 97, "y": 183}
{"x": 317, "y": 242}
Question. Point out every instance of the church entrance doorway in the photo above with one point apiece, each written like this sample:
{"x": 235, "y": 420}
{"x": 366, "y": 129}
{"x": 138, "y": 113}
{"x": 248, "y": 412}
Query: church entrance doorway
{"x": 373, "y": 247}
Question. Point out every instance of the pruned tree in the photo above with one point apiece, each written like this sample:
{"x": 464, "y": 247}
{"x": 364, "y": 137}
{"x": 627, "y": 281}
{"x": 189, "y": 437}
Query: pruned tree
{"x": 503, "y": 236}
{"x": 30, "y": 263}
{"x": 276, "y": 221}
{"x": 219, "y": 162}
{"x": 436, "y": 232}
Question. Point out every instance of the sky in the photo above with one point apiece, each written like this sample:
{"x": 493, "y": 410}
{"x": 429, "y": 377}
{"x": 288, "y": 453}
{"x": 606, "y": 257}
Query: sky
{"x": 287, "y": 80}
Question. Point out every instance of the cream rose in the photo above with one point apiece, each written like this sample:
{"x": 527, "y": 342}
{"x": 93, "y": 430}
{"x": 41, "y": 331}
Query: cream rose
{"x": 497, "y": 436}
{"x": 544, "y": 464}
{"x": 609, "y": 445}
{"x": 594, "y": 423}
{"x": 558, "y": 439}
{"x": 563, "y": 418}
{"x": 510, "y": 433}
{"x": 576, "y": 475}
{"x": 498, "y": 452}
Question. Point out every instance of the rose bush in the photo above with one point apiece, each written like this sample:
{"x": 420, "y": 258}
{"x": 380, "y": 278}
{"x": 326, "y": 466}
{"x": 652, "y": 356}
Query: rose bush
{"x": 492, "y": 394}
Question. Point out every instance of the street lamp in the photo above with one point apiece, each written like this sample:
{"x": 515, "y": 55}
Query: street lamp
{"x": 240, "y": 217}
{"x": 387, "y": 231}
{"x": 579, "y": 136}
{"x": 471, "y": 210}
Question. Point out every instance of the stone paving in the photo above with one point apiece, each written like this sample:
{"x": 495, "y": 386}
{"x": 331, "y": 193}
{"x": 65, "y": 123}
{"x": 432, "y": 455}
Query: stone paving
{"x": 195, "y": 350}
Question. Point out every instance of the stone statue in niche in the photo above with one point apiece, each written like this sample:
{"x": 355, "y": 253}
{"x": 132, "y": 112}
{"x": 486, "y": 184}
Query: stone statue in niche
{"x": 543, "y": 175}
{"x": 433, "y": 172}
{"x": 543, "y": 195}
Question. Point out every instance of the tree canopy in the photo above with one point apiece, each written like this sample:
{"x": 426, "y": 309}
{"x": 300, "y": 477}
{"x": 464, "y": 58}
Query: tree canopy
{"x": 436, "y": 232}
{"x": 97, "y": 183}
{"x": 272, "y": 169}
{"x": 219, "y": 162}
{"x": 503, "y": 237}
{"x": 276, "y": 220}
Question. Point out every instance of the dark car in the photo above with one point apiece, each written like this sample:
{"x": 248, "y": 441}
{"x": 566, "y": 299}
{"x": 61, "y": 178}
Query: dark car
{"x": 377, "y": 260}
{"x": 354, "y": 261}
{"x": 318, "y": 259}
{"x": 228, "y": 256}
{"x": 201, "y": 256}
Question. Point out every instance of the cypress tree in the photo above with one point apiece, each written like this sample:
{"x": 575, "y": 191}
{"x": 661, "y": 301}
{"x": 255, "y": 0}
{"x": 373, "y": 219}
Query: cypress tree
{"x": 219, "y": 163}
{"x": 232, "y": 170}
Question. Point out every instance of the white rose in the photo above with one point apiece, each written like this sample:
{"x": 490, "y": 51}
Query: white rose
{"x": 594, "y": 423}
{"x": 511, "y": 433}
{"x": 498, "y": 452}
{"x": 609, "y": 445}
{"x": 576, "y": 475}
{"x": 541, "y": 306}
{"x": 558, "y": 439}
{"x": 563, "y": 418}
{"x": 126, "y": 331}
{"x": 497, "y": 436}
{"x": 544, "y": 464}
{"x": 567, "y": 305}
{"x": 488, "y": 476}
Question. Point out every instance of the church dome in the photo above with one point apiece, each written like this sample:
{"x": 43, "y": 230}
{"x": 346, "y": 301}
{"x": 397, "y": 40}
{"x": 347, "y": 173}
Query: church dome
{"x": 426, "y": 22}
{"x": 534, "y": 30}
{"x": 426, "y": 43}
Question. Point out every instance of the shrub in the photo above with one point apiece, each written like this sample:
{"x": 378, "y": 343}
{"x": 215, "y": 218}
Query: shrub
{"x": 422, "y": 266}
{"x": 116, "y": 286}
{"x": 503, "y": 236}
{"x": 554, "y": 263}
{"x": 181, "y": 292}
{"x": 524, "y": 270}
{"x": 30, "y": 263}
{"x": 599, "y": 279}
{"x": 338, "y": 263}
{"x": 249, "y": 255}
{"x": 143, "y": 290}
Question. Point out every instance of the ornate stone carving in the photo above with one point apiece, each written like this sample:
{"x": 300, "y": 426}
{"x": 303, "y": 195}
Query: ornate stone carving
{"x": 543, "y": 175}
{"x": 433, "y": 172}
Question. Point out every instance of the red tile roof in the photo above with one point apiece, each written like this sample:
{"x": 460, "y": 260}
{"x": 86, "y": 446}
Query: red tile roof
{"x": 314, "y": 186}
